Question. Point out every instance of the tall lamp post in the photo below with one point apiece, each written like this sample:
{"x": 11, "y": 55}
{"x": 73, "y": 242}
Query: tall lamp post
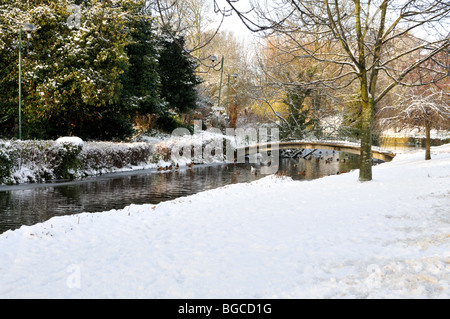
{"x": 28, "y": 28}
{"x": 235, "y": 76}
{"x": 214, "y": 59}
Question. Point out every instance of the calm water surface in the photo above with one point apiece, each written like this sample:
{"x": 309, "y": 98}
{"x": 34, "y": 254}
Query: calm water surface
{"x": 34, "y": 203}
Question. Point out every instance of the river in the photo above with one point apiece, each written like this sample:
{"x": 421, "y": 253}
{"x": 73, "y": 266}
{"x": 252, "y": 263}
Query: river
{"x": 28, "y": 204}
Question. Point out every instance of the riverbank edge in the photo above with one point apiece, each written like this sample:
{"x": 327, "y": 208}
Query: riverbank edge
{"x": 70, "y": 158}
{"x": 32, "y": 161}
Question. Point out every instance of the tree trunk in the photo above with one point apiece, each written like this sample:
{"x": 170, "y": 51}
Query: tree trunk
{"x": 367, "y": 102}
{"x": 69, "y": 121}
{"x": 365, "y": 172}
{"x": 233, "y": 115}
{"x": 428, "y": 143}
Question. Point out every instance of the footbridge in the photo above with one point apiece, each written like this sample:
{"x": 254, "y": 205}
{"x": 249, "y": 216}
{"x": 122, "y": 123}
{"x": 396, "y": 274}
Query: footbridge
{"x": 338, "y": 146}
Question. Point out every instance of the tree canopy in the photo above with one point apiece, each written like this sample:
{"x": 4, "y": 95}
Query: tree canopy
{"x": 90, "y": 75}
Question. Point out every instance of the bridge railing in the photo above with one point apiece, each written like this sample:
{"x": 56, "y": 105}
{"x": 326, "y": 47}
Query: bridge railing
{"x": 341, "y": 137}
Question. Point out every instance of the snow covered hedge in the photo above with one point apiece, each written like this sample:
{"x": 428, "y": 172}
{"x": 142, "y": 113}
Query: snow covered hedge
{"x": 67, "y": 158}
{"x": 203, "y": 147}
{"x": 7, "y": 162}
{"x": 26, "y": 161}
{"x": 71, "y": 158}
{"x": 102, "y": 157}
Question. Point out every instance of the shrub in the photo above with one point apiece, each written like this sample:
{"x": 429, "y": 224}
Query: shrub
{"x": 32, "y": 161}
{"x": 106, "y": 156}
{"x": 8, "y": 162}
{"x": 169, "y": 123}
{"x": 67, "y": 162}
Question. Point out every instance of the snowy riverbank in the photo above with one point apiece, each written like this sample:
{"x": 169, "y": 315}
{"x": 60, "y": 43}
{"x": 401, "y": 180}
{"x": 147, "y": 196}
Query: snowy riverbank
{"x": 273, "y": 238}
{"x": 71, "y": 158}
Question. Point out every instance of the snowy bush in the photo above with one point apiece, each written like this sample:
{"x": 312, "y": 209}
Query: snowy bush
{"x": 25, "y": 161}
{"x": 67, "y": 161}
{"x": 35, "y": 161}
{"x": 69, "y": 158}
{"x": 103, "y": 156}
{"x": 7, "y": 162}
{"x": 198, "y": 148}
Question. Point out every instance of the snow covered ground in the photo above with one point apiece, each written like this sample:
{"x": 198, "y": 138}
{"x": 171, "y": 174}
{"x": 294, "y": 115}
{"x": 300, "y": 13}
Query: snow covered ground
{"x": 415, "y": 133}
{"x": 274, "y": 238}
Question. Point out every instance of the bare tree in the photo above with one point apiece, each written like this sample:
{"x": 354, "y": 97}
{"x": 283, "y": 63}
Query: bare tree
{"x": 283, "y": 77}
{"x": 231, "y": 79}
{"x": 190, "y": 18}
{"x": 366, "y": 40}
{"x": 428, "y": 109}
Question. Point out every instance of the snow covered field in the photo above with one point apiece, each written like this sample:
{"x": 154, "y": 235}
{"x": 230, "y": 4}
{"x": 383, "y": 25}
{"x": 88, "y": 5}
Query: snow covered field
{"x": 273, "y": 238}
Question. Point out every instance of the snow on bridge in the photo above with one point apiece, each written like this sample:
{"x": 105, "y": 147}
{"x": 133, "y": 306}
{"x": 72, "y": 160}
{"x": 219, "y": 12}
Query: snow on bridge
{"x": 331, "y": 145}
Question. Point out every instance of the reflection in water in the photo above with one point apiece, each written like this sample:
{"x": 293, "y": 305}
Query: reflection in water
{"x": 31, "y": 204}
{"x": 402, "y": 147}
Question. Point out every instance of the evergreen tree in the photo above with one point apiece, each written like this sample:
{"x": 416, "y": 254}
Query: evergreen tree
{"x": 141, "y": 85}
{"x": 90, "y": 80}
{"x": 71, "y": 75}
{"x": 9, "y": 61}
{"x": 177, "y": 72}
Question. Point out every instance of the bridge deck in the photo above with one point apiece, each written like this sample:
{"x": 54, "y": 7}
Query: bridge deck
{"x": 377, "y": 153}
